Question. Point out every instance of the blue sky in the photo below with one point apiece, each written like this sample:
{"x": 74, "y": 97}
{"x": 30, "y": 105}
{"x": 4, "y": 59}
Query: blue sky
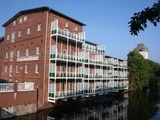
{"x": 106, "y": 20}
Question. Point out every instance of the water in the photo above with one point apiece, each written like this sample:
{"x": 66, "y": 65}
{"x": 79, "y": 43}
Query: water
{"x": 136, "y": 106}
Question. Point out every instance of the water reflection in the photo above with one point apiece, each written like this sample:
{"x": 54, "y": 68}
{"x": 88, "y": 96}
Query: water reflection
{"x": 117, "y": 110}
{"x": 138, "y": 106}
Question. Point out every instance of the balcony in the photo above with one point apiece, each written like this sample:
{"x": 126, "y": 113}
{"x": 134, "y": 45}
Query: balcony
{"x": 68, "y": 75}
{"x": 54, "y": 95}
{"x": 65, "y": 57}
{"x": 28, "y": 58}
{"x": 80, "y": 37}
{"x": 6, "y": 87}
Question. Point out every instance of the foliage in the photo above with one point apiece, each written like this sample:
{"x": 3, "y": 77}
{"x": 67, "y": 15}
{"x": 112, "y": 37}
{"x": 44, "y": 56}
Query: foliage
{"x": 143, "y": 73}
{"x": 154, "y": 79}
{"x": 139, "y": 20}
{"x": 138, "y": 69}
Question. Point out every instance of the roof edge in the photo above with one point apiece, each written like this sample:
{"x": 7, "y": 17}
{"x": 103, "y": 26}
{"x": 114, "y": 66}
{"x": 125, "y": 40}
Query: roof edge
{"x": 44, "y": 8}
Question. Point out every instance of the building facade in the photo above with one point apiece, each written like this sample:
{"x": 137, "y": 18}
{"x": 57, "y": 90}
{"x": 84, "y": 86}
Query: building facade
{"x": 143, "y": 50}
{"x": 48, "y": 48}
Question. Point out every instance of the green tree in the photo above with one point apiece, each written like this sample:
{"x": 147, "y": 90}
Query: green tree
{"x": 139, "y": 20}
{"x": 138, "y": 69}
{"x": 154, "y": 79}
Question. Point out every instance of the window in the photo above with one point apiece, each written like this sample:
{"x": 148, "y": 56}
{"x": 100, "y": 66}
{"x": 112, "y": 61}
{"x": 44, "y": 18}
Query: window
{"x": 37, "y": 50}
{"x": 19, "y": 33}
{"x": 17, "y": 68}
{"x": 66, "y": 24}
{"x": 39, "y": 27}
{"x": 11, "y": 55}
{"x": 26, "y": 68}
{"x": 18, "y": 53}
{"x": 27, "y": 52}
{"x": 64, "y": 53}
{"x": 13, "y": 37}
{"x": 14, "y": 23}
{"x": 10, "y": 70}
{"x": 37, "y": 68}
{"x": 25, "y": 18}
{"x": 73, "y": 55}
{"x": 6, "y": 69}
{"x": 6, "y": 54}
{"x": 66, "y": 32}
{"x": 75, "y": 28}
{"x": 7, "y": 37}
{"x": 20, "y": 21}
{"x": 28, "y": 31}
{"x": 64, "y": 68}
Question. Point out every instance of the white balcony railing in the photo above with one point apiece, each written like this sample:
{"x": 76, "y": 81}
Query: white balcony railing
{"x": 28, "y": 58}
{"x": 27, "y": 86}
{"x": 6, "y": 87}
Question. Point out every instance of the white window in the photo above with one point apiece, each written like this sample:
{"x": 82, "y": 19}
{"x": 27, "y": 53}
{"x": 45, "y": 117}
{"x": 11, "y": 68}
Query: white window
{"x": 6, "y": 69}
{"x": 27, "y": 52}
{"x": 66, "y": 31}
{"x": 19, "y": 33}
{"x": 37, "y": 50}
{"x": 66, "y": 24}
{"x": 75, "y": 28}
{"x": 10, "y": 70}
{"x": 6, "y": 54}
{"x": 18, "y": 53}
{"x": 28, "y": 30}
{"x": 26, "y": 68}
{"x": 25, "y": 18}
{"x": 13, "y": 37}
{"x": 11, "y": 55}
{"x": 7, "y": 37}
{"x": 14, "y": 23}
{"x": 39, "y": 27}
{"x": 20, "y": 21}
{"x": 64, "y": 53}
{"x": 17, "y": 68}
{"x": 37, "y": 68}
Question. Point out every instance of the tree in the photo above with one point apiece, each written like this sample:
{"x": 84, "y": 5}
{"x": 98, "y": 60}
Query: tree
{"x": 139, "y": 20}
{"x": 138, "y": 69}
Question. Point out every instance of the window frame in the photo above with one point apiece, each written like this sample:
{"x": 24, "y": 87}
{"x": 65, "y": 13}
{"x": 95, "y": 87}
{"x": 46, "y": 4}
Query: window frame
{"x": 37, "y": 68}
{"x": 39, "y": 27}
{"x": 28, "y": 30}
{"x": 26, "y": 68}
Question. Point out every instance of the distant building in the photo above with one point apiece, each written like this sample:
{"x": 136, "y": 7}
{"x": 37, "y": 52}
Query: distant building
{"x": 143, "y": 50}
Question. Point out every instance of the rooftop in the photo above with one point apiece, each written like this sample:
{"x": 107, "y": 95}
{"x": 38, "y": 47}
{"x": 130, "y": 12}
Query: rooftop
{"x": 45, "y": 8}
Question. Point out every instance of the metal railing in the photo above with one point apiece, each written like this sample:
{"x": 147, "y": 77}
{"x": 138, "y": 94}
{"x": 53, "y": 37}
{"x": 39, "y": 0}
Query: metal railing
{"x": 27, "y": 86}
{"x": 6, "y": 87}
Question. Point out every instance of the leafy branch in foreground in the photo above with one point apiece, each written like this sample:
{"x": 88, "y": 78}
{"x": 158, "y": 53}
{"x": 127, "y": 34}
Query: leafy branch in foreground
{"x": 139, "y": 20}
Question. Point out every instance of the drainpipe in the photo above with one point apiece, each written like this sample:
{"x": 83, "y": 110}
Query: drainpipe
{"x": 45, "y": 42}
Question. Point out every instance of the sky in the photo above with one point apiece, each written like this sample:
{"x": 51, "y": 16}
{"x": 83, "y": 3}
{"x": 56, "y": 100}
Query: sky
{"x": 106, "y": 22}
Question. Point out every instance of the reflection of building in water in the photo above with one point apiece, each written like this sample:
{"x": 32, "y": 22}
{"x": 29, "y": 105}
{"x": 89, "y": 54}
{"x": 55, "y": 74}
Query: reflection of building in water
{"x": 115, "y": 111}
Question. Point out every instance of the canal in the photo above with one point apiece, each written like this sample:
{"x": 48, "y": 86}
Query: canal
{"x": 132, "y": 106}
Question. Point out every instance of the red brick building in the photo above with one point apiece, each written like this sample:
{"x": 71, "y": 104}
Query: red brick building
{"x": 46, "y": 47}
{"x": 1, "y": 54}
